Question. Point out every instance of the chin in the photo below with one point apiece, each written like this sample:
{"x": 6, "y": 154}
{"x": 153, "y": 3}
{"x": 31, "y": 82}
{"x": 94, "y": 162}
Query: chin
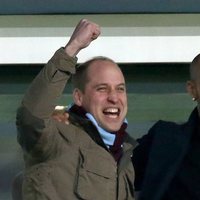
{"x": 113, "y": 129}
{"x": 111, "y": 126}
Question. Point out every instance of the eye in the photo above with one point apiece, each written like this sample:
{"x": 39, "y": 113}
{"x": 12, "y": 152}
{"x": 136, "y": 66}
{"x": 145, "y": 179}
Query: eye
{"x": 101, "y": 89}
{"x": 121, "y": 89}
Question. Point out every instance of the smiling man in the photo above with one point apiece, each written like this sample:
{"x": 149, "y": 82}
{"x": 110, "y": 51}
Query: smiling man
{"x": 91, "y": 157}
{"x": 104, "y": 93}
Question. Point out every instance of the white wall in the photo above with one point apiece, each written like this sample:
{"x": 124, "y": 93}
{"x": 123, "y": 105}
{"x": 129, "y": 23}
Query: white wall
{"x": 125, "y": 38}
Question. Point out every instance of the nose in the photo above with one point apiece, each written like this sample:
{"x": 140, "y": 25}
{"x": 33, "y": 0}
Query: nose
{"x": 113, "y": 97}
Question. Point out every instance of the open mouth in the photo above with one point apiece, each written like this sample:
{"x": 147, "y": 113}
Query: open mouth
{"x": 112, "y": 112}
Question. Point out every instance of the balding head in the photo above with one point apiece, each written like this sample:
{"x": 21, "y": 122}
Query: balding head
{"x": 193, "y": 85}
{"x": 80, "y": 78}
{"x": 195, "y": 68}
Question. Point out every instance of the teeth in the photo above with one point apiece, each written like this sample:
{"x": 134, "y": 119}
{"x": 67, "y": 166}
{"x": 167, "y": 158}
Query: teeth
{"x": 112, "y": 110}
{"x": 113, "y": 116}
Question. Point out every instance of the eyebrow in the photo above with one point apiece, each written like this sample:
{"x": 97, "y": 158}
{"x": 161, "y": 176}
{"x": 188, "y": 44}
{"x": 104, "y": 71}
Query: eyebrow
{"x": 122, "y": 84}
{"x": 105, "y": 84}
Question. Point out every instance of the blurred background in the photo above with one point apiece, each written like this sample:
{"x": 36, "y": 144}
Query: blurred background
{"x": 153, "y": 43}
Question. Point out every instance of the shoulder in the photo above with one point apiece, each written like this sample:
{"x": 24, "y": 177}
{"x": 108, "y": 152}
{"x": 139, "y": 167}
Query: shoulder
{"x": 159, "y": 128}
{"x": 165, "y": 125}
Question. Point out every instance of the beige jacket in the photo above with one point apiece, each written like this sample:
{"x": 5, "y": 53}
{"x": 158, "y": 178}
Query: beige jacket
{"x": 62, "y": 161}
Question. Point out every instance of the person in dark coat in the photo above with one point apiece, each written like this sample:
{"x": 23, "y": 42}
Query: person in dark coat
{"x": 167, "y": 159}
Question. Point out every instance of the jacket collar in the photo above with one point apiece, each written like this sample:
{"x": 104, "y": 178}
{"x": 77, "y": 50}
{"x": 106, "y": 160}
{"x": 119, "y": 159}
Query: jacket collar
{"x": 78, "y": 117}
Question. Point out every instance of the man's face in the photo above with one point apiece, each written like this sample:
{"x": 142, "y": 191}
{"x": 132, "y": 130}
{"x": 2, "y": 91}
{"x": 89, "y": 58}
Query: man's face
{"x": 105, "y": 95}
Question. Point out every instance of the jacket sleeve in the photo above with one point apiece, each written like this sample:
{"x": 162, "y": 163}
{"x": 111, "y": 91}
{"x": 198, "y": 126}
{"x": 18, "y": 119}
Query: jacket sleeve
{"x": 141, "y": 156}
{"x": 36, "y": 129}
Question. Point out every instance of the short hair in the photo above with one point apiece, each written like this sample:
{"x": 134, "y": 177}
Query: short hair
{"x": 195, "y": 68}
{"x": 80, "y": 78}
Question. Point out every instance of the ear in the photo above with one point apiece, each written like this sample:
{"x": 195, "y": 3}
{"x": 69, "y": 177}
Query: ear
{"x": 192, "y": 89}
{"x": 77, "y": 97}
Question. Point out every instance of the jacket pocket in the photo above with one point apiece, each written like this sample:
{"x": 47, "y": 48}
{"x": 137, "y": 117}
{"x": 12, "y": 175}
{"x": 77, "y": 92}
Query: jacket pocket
{"x": 96, "y": 176}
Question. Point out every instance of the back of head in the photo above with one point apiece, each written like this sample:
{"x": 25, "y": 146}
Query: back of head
{"x": 195, "y": 68}
{"x": 193, "y": 86}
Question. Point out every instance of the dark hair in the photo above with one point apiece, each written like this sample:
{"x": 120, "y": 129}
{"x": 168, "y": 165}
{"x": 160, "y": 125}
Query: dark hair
{"x": 80, "y": 78}
{"x": 195, "y": 67}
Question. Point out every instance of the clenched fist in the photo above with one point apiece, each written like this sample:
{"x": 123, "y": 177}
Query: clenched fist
{"x": 84, "y": 33}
